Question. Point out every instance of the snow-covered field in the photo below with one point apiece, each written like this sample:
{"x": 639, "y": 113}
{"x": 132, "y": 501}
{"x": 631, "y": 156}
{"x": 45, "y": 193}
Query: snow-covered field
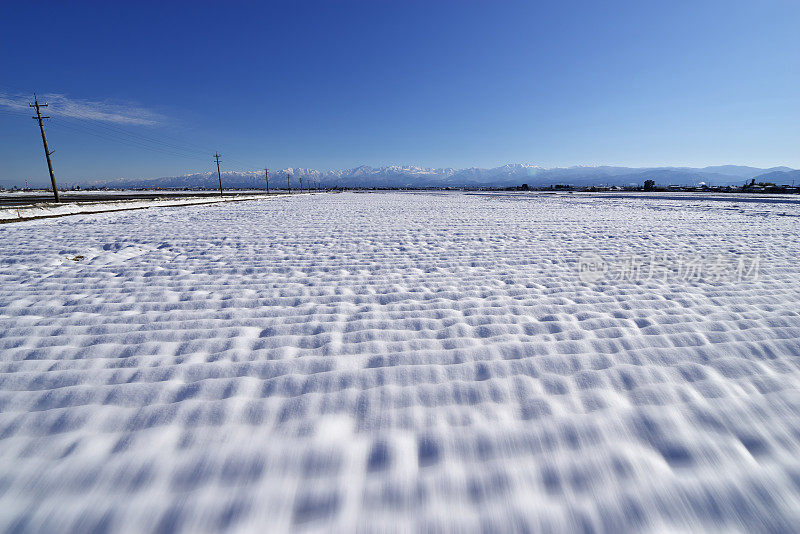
{"x": 402, "y": 362}
{"x": 51, "y": 209}
{"x": 111, "y": 193}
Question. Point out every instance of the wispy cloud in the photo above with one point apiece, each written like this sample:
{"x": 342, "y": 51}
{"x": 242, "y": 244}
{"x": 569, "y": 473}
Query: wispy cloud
{"x": 105, "y": 111}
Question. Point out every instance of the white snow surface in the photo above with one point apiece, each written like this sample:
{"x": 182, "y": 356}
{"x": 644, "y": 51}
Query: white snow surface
{"x": 52, "y": 209}
{"x": 398, "y": 362}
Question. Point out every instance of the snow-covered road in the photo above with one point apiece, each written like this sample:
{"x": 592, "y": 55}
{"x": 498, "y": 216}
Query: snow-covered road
{"x": 402, "y": 362}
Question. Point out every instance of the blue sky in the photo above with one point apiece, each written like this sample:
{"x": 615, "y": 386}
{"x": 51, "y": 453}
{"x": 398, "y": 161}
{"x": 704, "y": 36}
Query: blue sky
{"x": 330, "y": 84}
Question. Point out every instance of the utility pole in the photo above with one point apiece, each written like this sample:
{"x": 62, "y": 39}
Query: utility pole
{"x": 288, "y": 184}
{"x": 301, "y": 184}
{"x": 47, "y": 151}
{"x": 266, "y": 175}
{"x": 219, "y": 174}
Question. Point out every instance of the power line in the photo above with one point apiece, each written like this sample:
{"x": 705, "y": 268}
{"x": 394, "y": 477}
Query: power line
{"x": 181, "y": 146}
{"x": 126, "y": 137}
{"x": 131, "y": 139}
{"x": 127, "y": 142}
{"x": 119, "y": 135}
{"x": 87, "y": 124}
{"x": 175, "y": 143}
{"x": 115, "y": 130}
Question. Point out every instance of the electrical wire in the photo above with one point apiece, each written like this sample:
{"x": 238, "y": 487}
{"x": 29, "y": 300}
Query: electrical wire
{"x": 117, "y": 139}
{"x": 160, "y": 143}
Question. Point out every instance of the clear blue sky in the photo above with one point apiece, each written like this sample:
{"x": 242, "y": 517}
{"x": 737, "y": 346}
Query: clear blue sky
{"x": 330, "y": 84}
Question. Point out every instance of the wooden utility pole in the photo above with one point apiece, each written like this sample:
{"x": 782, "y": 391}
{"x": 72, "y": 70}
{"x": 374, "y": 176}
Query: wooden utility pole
{"x": 301, "y": 184}
{"x": 266, "y": 175}
{"x": 47, "y": 151}
{"x": 288, "y": 184}
{"x": 219, "y": 174}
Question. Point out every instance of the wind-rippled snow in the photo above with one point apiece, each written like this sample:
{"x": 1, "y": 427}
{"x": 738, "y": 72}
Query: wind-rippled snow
{"x": 398, "y": 362}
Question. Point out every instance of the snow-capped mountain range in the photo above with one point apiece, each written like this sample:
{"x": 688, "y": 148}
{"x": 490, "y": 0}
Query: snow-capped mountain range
{"x": 508, "y": 175}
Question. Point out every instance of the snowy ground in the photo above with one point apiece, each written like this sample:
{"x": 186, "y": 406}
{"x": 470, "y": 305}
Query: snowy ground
{"x": 111, "y": 193}
{"x": 401, "y": 362}
{"x": 51, "y": 209}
